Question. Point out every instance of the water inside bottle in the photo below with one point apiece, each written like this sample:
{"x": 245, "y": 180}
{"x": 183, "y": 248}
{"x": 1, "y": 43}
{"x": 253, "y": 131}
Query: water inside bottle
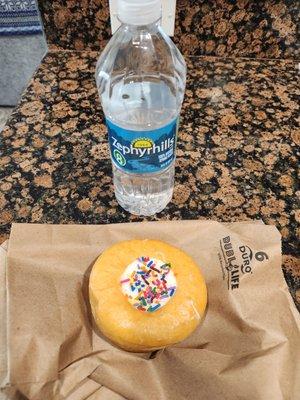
{"x": 140, "y": 105}
{"x": 141, "y": 80}
{"x": 149, "y": 105}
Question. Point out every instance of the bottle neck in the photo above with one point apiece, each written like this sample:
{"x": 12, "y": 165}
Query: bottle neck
{"x": 151, "y": 27}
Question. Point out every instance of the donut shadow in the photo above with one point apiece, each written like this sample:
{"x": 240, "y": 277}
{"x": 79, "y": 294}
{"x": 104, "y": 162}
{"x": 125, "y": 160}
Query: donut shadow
{"x": 85, "y": 292}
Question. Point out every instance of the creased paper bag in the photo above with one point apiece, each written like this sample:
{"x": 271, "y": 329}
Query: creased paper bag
{"x": 3, "y": 333}
{"x": 248, "y": 346}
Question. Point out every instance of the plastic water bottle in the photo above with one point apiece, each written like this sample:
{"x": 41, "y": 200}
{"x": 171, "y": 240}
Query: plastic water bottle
{"x": 141, "y": 81}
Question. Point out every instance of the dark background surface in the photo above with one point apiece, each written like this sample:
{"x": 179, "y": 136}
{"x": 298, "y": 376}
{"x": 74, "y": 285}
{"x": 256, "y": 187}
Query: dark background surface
{"x": 231, "y": 28}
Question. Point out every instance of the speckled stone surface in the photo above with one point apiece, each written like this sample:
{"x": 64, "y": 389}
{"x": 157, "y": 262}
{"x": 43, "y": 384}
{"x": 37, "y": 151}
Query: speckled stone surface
{"x": 237, "y": 153}
{"x": 239, "y": 28}
{"x": 248, "y": 28}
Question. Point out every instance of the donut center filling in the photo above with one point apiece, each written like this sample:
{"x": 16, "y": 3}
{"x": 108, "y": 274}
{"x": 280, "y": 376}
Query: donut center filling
{"x": 148, "y": 283}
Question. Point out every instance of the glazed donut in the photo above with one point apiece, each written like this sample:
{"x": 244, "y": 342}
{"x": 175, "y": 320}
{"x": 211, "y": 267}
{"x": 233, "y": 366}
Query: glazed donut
{"x": 146, "y": 294}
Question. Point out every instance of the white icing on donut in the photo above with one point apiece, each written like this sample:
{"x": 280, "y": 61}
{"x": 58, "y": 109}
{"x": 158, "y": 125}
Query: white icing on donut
{"x": 148, "y": 283}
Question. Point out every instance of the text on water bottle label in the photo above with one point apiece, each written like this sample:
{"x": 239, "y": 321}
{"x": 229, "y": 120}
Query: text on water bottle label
{"x": 142, "y": 151}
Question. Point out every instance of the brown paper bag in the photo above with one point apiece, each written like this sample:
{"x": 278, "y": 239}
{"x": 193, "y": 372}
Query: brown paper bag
{"x": 3, "y": 339}
{"x": 247, "y": 347}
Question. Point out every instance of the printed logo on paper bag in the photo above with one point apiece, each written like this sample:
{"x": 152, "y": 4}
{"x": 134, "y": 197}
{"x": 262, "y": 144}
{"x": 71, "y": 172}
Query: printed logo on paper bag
{"x": 236, "y": 261}
{"x": 142, "y": 152}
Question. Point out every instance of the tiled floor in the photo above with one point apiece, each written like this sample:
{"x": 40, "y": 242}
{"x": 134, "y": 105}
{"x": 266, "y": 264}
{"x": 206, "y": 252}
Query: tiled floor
{"x": 4, "y": 114}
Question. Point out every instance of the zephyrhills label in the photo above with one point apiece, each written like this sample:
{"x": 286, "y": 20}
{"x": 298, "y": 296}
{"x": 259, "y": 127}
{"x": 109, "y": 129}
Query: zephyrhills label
{"x": 142, "y": 152}
{"x": 236, "y": 260}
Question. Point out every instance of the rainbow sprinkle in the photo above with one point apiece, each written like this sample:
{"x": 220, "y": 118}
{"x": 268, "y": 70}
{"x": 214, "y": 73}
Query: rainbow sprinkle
{"x": 148, "y": 284}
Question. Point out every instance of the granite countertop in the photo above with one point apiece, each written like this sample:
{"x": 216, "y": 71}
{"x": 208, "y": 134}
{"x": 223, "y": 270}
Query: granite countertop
{"x": 236, "y": 159}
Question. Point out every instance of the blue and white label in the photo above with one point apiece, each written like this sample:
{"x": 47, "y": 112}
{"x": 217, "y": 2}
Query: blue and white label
{"x": 142, "y": 152}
